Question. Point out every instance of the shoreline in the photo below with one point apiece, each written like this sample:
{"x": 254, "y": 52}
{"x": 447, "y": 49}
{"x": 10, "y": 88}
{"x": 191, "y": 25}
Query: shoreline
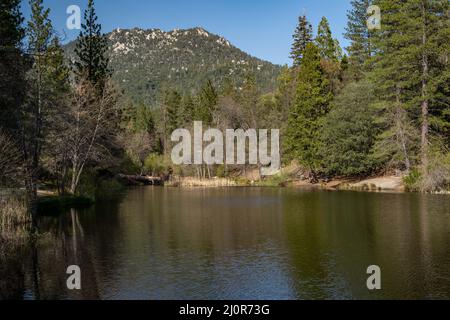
{"x": 388, "y": 183}
{"x": 375, "y": 184}
{"x": 394, "y": 184}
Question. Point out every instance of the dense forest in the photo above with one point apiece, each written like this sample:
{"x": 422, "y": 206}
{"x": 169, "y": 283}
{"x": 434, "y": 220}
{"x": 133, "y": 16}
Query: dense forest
{"x": 383, "y": 106}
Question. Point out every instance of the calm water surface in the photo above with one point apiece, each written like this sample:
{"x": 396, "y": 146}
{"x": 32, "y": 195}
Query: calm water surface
{"x": 240, "y": 243}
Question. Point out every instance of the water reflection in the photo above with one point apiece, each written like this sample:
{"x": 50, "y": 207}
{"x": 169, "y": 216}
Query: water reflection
{"x": 235, "y": 243}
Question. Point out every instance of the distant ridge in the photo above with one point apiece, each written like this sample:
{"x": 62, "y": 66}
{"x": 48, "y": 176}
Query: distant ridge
{"x": 145, "y": 61}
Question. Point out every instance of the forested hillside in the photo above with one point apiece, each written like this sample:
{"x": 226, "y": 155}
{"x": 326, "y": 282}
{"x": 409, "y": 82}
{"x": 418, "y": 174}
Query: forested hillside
{"x": 147, "y": 61}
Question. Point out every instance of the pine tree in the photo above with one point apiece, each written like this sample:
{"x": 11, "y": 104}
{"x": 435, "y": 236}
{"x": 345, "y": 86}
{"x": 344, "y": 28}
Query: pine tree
{"x": 395, "y": 145}
{"x": 12, "y": 64}
{"x": 143, "y": 119}
{"x": 39, "y": 35}
{"x": 91, "y": 49}
{"x": 328, "y": 47}
{"x": 361, "y": 48}
{"x": 11, "y": 32}
{"x": 47, "y": 83}
{"x": 249, "y": 103}
{"x": 172, "y": 103}
{"x": 58, "y": 64}
{"x": 207, "y": 103}
{"x": 188, "y": 109}
{"x": 302, "y": 36}
{"x": 307, "y": 114}
{"x": 410, "y": 69}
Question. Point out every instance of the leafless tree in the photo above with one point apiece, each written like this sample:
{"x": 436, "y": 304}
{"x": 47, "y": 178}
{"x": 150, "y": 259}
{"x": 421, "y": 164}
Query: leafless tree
{"x": 91, "y": 127}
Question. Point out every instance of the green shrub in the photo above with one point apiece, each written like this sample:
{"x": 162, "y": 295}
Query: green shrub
{"x": 221, "y": 171}
{"x": 280, "y": 180}
{"x": 413, "y": 180}
{"x": 156, "y": 165}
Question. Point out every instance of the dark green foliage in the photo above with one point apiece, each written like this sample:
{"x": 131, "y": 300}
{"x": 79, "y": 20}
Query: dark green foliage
{"x": 12, "y": 64}
{"x": 11, "y": 32}
{"x": 302, "y": 36}
{"x": 188, "y": 109}
{"x": 361, "y": 48}
{"x": 144, "y": 120}
{"x": 349, "y": 132}
{"x": 207, "y": 103}
{"x": 307, "y": 114}
{"x": 173, "y": 108}
{"x": 48, "y": 79}
{"x": 91, "y": 48}
{"x": 412, "y": 180}
{"x": 409, "y": 72}
{"x": 39, "y": 30}
{"x": 248, "y": 99}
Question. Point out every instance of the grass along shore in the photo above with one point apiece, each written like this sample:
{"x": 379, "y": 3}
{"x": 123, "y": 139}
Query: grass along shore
{"x": 388, "y": 183}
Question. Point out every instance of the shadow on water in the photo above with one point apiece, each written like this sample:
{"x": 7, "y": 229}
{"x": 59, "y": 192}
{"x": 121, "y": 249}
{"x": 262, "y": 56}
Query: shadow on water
{"x": 34, "y": 266}
{"x": 238, "y": 243}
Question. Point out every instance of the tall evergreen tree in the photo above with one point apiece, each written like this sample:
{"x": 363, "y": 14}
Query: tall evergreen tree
{"x": 12, "y": 63}
{"x": 249, "y": 101}
{"x": 411, "y": 67}
{"x": 143, "y": 119}
{"x": 11, "y": 32}
{"x": 207, "y": 103}
{"x": 188, "y": 109}
{"x": 173, "y": 111}
{"x": 47, "y": 81}
{"x": 91, "y": 48}
{"x": 328, "y": 47}
{"x": 361, "y": 48}
{"x": 38, "y": 33}
{"x": 302, "y": 36}
{"x": 307, "y": 114}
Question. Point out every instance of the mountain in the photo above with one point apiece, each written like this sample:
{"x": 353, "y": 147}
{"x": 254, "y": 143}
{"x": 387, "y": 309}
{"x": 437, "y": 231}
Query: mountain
{"x": 145, "y": 61}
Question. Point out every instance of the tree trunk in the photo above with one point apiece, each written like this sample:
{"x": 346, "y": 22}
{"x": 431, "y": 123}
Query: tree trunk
{"x": 400, "y": 132}
{"x": 424, "y": 106}
{"x": 34, "y": 152}
{"x": 32, "y": 201}
{"x": 75, "y": 178}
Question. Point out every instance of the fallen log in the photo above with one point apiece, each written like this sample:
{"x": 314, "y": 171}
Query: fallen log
{"x": 135, "y": 180}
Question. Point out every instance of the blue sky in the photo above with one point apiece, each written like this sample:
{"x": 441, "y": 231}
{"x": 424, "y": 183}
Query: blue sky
{"x": 262, "y": 28}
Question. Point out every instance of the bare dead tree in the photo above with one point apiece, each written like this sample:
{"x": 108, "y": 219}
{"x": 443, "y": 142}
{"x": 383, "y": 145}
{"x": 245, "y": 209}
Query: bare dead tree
{"x": 91, "y": 127}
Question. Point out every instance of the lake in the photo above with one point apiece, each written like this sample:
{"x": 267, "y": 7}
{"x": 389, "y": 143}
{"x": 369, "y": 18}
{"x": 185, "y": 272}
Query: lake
{"x": 240, "y": 243}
